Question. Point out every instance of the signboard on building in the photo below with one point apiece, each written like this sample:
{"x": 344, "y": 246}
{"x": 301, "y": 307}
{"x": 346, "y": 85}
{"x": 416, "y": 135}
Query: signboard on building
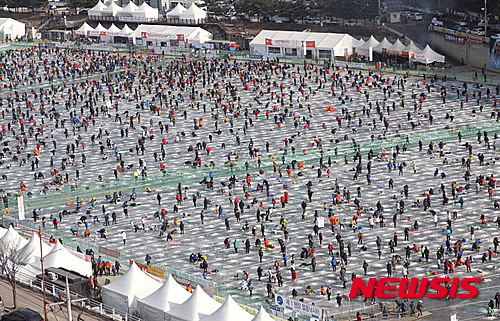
{"x": 298, "y": 306}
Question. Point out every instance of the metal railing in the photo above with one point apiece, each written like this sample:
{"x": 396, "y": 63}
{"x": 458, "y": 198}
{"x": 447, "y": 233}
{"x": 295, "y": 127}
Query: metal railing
{"x": 93, "y": 306}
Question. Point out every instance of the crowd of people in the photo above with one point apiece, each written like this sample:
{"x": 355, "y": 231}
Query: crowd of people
{"x": 320, "y": 173}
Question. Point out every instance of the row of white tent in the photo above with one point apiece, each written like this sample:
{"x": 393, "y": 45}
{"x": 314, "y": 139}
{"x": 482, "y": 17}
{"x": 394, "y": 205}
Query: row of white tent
{"x": 161, "y": 32}
{"x": 138, "y": 291}
{"x": 192, "y": 13}
{"x": 29, "y": 252}
{"x": 130, "y": 10}
{"x": 426, "y": 55}
{"x": 135, "y": 291}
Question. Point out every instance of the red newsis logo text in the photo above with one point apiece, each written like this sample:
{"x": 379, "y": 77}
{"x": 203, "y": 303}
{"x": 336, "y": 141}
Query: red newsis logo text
{"x": 414, "y": 287}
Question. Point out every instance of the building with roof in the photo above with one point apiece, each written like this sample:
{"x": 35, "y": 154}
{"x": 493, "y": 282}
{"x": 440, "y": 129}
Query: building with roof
{"x": 393, "y": 9}
{"x": 303, "y": 44}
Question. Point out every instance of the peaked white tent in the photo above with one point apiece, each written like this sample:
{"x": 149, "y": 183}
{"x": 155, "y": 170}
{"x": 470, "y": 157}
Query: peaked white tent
{"x": 128, "y": 10}
{"x": 123, "y": 293}
{"x": 126, "y": 31}
{"x": 193, "y": 13}
{"x": 112, "y": 9}
{"x": 177, "y": 11}
{"x": 59, "y": 256}
{"x": 428, "y": 56}
{"x": 412, "y": 48}
{"x": 384, "y": 44}
{"x": 2, "y": 231}
{"x": 396, "y": 48}
{"x": 97, "y": 9}
{"x": 99, "y": 30}
{"x": 196, "y": 307}
{"x": 85, "y": 29}
{"x": 364, "y": 49}
{"x": 168, "y": 296}
{"x": 13, "y": 239}
{"x": 31, "y": 251}
{"x": 145, "y": 11}
{"x": 113, "y": 30}
{"x": 263, "y": 316}
{"x": 229, "y": 311}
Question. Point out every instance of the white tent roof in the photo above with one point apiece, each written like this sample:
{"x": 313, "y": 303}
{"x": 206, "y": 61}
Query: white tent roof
{"x": 111, "y": 9}
{"x": 113, "y": 30}
{"x": 84, "y": 29}
{"x": 123, "y": 293}
{"x": 429, "y": 56}
{"x": 371, "y": 42}
{"x": 191, "y": 34}
{"x": 168, "y": 296}
{"x": 175, "y": 12}
{"x": 197, "y": 306}
{"x": 126, "y": 31}
{"x": 59, "y": 256}
{"x": 229, "y": 311}
{"x": 337, "y": 41}
{"x": 32, "y": 249}
{"x": 97, "y": 30}
{"x": 97, "y": 9}
{"x": 262, "y": 316}
{"x": 13, "y": 239}
{"x": 384, "y": 44}
{"x": 396, "y": 48}
{"x": 193, "y": 12}
{"x": 412, "y": 48}
{"x": 128, "y": 9}
{"x": 2, "y": 231}
{"x": 146, "y": 11}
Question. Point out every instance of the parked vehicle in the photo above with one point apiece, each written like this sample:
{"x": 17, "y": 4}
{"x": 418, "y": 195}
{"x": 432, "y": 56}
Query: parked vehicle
{"x": 496, "y": 36}
{"x": 478, "y": 32}
{"x": 22, "y": 315}
{"x": 417, "y": 16}
{"x": 352, "y": 23}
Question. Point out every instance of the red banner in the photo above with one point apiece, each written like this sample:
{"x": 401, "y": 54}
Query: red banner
{"x": 311, "y": 44}
{"x": 180, "y": 37}
{"x": 144, "y": 34}
{"x": 269, "y": 42}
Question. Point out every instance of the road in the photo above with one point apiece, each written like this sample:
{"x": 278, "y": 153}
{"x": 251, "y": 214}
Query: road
{"x": 27, "y": 298}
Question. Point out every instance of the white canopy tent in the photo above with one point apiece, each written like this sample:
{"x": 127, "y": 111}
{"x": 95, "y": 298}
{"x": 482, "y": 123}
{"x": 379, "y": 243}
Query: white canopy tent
{"x": 59, "y": 256}
{"x": 113, "y": 30}
{"x": 31, "y": 251}
{"x": 111, "y": 10}
{"x": 2, "y": 231}
{"x": 384, "y": 44}
{"x": 365, "y": 47}
{"x": 412, "y": 48}
{"x": 97, "y": 9}
{"x": 193, "y": 13}
{"x": 176, "y": 12}
{"x": 99, "y": 30}
{"x": 146, "y": 12}
{"x": 11, "y": 29}
{"x": 156, "y": 34}
{"x": 168, "y": 296}
{"x": 196, "y": 307}
{"x": 397, "y": 48}
{"x": 262, "y": 316}
{"x": 85, "y": 29}
{"x": 126, "y": 31}
{"x": 294, "y": 43}
{"x": 128, "y": 10}
{"x": 428, "y": 56}
{"x": 229, "y": 311}
{"x": 12, "y": 239}
{"x": 123, "y": 293}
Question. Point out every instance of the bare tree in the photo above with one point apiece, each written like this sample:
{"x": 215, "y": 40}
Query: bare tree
{"x": 12, "y": 258}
